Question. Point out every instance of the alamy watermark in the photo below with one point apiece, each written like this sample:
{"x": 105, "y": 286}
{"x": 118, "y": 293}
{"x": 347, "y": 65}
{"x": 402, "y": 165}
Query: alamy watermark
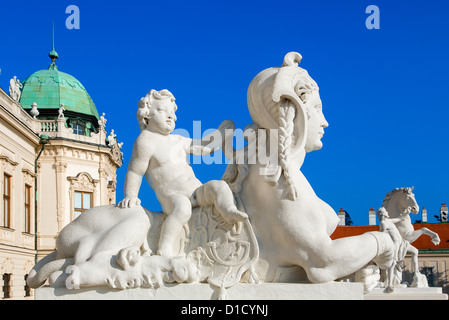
{"x": 249, "y": 146}
{"x": 373, "y": 20}
{"x": 73, "y": 20}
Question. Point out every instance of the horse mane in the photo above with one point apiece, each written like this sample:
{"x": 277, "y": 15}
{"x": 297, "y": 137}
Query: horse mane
{"x": 390, "y": 194}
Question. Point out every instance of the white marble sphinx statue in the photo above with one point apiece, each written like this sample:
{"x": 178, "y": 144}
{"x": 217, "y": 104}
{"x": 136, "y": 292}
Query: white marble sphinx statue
{"x": 262, "y": 222}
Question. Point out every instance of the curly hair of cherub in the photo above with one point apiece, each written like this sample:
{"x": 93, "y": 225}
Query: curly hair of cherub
{"x": 145, "y": 103}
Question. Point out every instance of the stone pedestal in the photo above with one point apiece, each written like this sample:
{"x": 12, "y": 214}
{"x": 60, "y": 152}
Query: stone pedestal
{"x": 241, "y": 291}
{"x": 407, "y": 294}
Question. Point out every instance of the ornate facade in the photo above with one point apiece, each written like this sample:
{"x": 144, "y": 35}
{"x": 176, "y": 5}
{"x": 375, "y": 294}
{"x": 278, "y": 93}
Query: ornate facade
{"x": 56, "y": 161}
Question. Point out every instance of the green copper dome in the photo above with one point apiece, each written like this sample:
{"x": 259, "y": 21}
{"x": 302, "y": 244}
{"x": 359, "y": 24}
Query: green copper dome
{"x": 51, "y": 88}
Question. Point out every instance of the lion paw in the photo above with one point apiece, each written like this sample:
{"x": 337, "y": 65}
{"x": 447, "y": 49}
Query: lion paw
{"x": 73, "y": 281}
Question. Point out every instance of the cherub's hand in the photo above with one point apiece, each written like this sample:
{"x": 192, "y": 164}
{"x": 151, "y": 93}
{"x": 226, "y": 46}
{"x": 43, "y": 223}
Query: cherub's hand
{"x": 129, "y": 202}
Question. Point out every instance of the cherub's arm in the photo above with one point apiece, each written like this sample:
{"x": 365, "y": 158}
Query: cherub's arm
{"x": 214, "y": 140}
{"x": 199, "y": 150}
{"x": 383, "y": 226}
{"x": 196, "y": 149}
{"x": 396, "y": 220}
{"x": 137, "y": 167}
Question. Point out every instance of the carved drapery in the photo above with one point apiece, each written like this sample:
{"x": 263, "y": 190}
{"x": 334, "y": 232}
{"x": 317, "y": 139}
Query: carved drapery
{"x": 108, "y": 185}
{"x": 116, "y": 155}
{"x": 6, "y": 266}
{"x": 112, "y": 186}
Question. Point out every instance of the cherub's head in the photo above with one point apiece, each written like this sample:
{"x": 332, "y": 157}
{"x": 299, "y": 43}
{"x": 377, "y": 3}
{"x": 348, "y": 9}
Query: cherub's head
{"x": 156, "y": 112}
{"x": 382, "y": 213}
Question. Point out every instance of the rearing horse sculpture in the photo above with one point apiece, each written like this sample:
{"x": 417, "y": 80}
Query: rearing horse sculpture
{"x": 399, "y": 203}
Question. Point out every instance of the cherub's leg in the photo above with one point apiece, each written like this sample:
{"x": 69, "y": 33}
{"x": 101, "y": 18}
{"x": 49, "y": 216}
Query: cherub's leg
{"x": 218, "y": 193}
{"x": 178, "y": 214}
{"x": 390, "y": 277}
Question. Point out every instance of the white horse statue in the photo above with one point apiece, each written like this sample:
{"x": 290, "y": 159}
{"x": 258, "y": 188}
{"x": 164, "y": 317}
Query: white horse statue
{"x": 399, "y": 203}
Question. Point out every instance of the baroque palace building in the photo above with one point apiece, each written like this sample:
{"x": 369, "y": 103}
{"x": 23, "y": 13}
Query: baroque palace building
{"x": 56, "y": 161}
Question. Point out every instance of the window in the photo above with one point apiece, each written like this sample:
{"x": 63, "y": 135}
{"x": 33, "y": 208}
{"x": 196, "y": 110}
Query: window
{"x": 27, "y": 289}
{"x": 428, "y": 272}
{"x": 6, "y": 285}
{"x": 78, "y": 129}
{"x": 83, "y": 202}
{"x": 79, "y": 126}
{"x": 27, "y": 204}
{"x": 6, "y": 217}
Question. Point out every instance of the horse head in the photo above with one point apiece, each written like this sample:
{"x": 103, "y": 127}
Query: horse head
{"x": 411, "y": 201}
{"x": 400, "y": 201}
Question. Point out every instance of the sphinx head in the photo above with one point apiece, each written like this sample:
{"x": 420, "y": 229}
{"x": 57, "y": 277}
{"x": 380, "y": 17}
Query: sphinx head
{"x": 275, "y": 89}
{"x": 287, "y": 99}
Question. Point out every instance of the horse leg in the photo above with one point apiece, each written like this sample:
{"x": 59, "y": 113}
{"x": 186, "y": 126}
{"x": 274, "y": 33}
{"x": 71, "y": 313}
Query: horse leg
{"x": 433, "y": 236}
{"x": 413, "y": 235}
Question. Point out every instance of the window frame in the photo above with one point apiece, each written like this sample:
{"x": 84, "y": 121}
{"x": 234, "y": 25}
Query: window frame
{"x": 27, "y": 208}
{"x": 81, "y": 210}
{"x": 6, "y": 210}
{"x": 6, "y": 285}
{"x": 26, "y": 287}
{"x": 77, "y": 128}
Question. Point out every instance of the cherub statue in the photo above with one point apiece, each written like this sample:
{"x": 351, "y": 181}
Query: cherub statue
{"x": 102, "y": 121}
{"x": 61, "y": 112}
{"x": 162, "y": 158}
{"x": 14, "y": 88}
{"x": 112, "y": 138}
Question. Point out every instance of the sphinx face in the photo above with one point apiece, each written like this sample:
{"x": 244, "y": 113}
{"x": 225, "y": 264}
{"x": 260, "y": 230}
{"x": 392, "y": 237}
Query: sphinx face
{"x": 316, "y": 122}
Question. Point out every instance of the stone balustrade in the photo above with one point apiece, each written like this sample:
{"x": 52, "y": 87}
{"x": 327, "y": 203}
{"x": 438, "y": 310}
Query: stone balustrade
{"x": 52, "y": 128}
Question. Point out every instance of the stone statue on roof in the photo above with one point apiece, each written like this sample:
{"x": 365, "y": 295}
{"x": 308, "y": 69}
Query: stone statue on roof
{"x": 102, "y": 121}
{"x": 61, "y": 111}
{"x": 15, "y": 88}
{"x": 112, "y": 138}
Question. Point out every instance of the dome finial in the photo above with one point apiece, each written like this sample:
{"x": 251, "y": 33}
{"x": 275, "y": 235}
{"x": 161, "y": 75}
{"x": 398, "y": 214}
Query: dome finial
{"x": 53, "y": 54}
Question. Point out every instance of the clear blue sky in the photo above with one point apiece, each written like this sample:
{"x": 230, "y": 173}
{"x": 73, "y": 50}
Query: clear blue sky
{"x": 385, "y": 92}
